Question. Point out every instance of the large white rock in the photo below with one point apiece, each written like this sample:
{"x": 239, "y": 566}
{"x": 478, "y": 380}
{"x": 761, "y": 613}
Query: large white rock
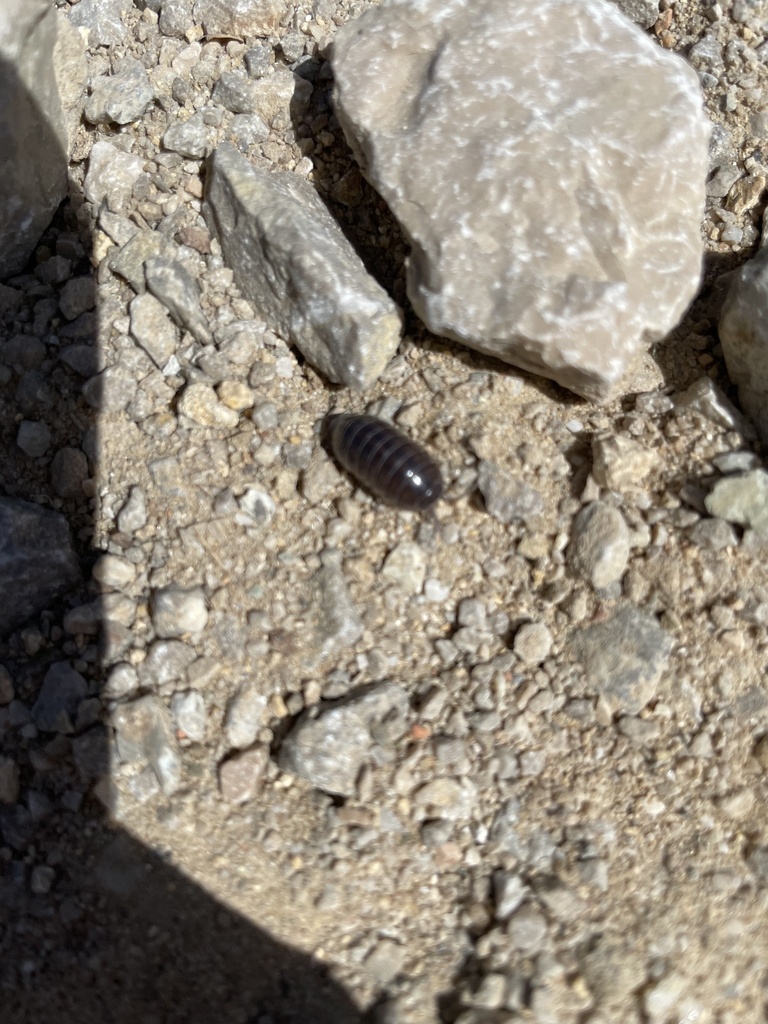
{"x": 547, "y": 161}
{"x": 42, "y": 79}
{"x": 291, "y": 259}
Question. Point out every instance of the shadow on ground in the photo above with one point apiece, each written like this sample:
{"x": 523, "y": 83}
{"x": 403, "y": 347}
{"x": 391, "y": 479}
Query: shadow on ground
{"x": 94, "y": 927}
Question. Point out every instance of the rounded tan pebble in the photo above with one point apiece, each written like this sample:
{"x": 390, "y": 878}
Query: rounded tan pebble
{"x": 235, "y": 395}
{"x": 199, "y": 403}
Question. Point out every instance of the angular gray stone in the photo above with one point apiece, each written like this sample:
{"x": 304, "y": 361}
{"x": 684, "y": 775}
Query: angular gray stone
{"x": 335, "y": 620}
{"x": 238, "y": 18}
{"x": 599, "y": 548}
{"x": 528, "y": 181}
{"x": 279, "y": 96}
{"x": 705, "y": 398}
{"x": 34, "y": 438}
{"x": 623, "y": 658}
{"x": 63, "y": 688}
{"x": 119, "y": 98}
{"x": 38, "y": 563}
{"x": 145, "y": 733}
{"x": 178, "y": 291}
{"x": 328, "y": 746}
{"x": 292, "y": 261}
{"x": 506, "y": 497}
{"x": 743, "y": 331}
{"x": 42, "y": 79}
{"x": 642, "y": 12}
{"x": 152, "y": 328}
{"x": 241, "y": 775}
{"x": 133, "y": 515}
{"x": 111, "y": 174}
{"x": 176, "y": 612}
{"x": 188, "y": 710}
{"x": 245, "y": 716}
{"x": 103, "y": 19}
{"x": 192, "y": 138}
{"x": 741, "y": 499}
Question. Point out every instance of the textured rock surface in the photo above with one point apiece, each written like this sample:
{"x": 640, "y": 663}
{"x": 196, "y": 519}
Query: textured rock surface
{"x": 37, "y": 560}
{"x": 741, "y": 499}
{"x": 744, "y": 336}
{"x": 42, "y": 77}
{"x": 328, "y": 749}
{"x": 553, "y": 201}
{"x": 292, "y": 261}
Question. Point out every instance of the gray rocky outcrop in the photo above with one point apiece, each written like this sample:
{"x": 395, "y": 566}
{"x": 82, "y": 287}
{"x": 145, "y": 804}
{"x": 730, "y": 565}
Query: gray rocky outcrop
{"x": 42, "y": 78}
{"x": 292, "y": 261}
{"x": 743, "y": 332}
{"x": 552, "y": 199}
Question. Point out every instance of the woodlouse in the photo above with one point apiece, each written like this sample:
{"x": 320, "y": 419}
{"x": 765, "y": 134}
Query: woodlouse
{"x": 386, "y": 461}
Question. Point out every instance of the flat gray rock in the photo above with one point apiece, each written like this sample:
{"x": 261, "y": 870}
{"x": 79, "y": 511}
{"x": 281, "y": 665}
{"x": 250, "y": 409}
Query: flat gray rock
{"x": 743, "y": 331}
{"x": 623, "y": 658}
{"x": 552, "y": 200}
{"x": 329, "y": 747}
{"x": 38, "y": 563}
{"x": 292, "y": 261}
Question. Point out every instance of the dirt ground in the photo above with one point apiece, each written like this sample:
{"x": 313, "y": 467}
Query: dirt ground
{"x": 523, "y": 850}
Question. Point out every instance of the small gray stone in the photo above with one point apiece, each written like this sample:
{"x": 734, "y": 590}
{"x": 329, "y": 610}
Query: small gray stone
{"x": 133, "y": 514}
{"x": 129, "y": 262}
{"x": 384, "y": 962}
{"x": 245, "y": 717}
{"x": 63, "y": 688}
{"x": 91, "y": 753}
{"x": 620, "y": 463}
{"x": 120, "y": 98}
{"x": 713, "y": 534}
{"x": 329, "y": 745}
{"x": 336, "y": 621}
{"x": 319, "y": 479}
{"x": 508, "y": 893}
{"x": 178, "y": 291}
{"x": 104, "y": 20}
{"x": 623, "y": 658}
{"x": 454, "y": 799}
{"x": 167, "y": 662}
{"x": 527, "y": 929}
{"x": 41, "y": 879}
{"x": 145, "y": 733}
{"x": 201, "y": 404}
{"x": 176, "y": 611}
{"x": 705, "y": 398}
{"x": 643, "y": 12}
{"x": 192, "y": 138}
{"x": 176, "y": 18}
{"x": 34, "y": 438}
{"x": 533, "y": 643}
{"x": 69, "y": 470}
{"x": 122, "y": 681}
{"x": 257, "y": 505}
{"x": 110, "y": 391}
{"x": 37, "y": 560}
{"x": 114, "y": 572}
{"x": 599, "y": 547}
{"x": 241, "y": 19}
{"x": 741, "y": 499}
{"x": 111, "y": 175}
{"x": 188, "y": 710}
{"x": 507, "y": 498}
{"x": 77, "y": 296}
{"x": 153, "y": 329}
{"x": 241, "y": 775}
{"x": 406, "y": 566}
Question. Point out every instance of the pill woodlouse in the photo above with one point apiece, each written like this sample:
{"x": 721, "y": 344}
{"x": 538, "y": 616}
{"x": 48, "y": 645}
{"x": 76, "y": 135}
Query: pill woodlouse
{"x": 386, "y": 461}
